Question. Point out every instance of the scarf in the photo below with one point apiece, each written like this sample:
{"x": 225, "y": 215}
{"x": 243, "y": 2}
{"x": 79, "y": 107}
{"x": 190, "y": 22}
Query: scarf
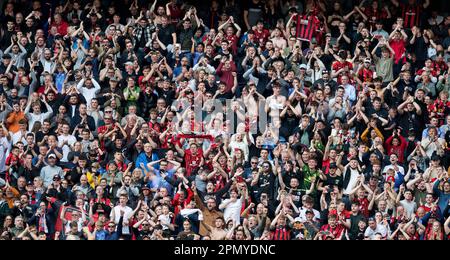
{"x": 43, "y": 224}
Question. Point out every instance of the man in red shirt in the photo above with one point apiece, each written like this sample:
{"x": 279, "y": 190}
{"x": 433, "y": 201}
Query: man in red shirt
{"x": 193, "y": 158}
{"x": 225, "y": 72}
{"x": 411, "y": 11}
{"x": 261, "y": 34}
{"x": 60, "y": 25}
{"x": 332, "y": 229}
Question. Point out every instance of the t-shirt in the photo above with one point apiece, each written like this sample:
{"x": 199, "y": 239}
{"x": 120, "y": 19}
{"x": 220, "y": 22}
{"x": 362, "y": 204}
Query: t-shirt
{"x": 384, "y": 68}
{"x": 165, "y": 34}
{"x": 410, "y": 207}
{"x": 233, "y": 211}
{"x": 126, "y": 217}
{"x": 370, "y": 233}
{"x": 255, "y": 12}
{"x": 399, "y": 49}
{"x": 66, "y": 149}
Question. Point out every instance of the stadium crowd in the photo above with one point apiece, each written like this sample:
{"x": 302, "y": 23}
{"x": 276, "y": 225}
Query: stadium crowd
{"x": 335, "y": 122}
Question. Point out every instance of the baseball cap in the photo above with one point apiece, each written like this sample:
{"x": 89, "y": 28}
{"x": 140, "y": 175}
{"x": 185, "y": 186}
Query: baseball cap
{"x": 30, "y": 183}
{"x": 56, "y": 178}
{"x": 333, "y": 166}
{"x": 303, "y": 66}
{"x": 52, "y": 156}
{"x": 367, "y": 60}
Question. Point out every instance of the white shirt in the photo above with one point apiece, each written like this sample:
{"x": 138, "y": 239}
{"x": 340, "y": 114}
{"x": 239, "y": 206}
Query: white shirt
{"x": 390, "y": 166}
{"x": 370, "y": 233}
{"x": 302, "y": 216}
{"x": 126, "y": 217}
{"x": 17, "y": 137}
{"x": 232, "y": 210}
{"x": 66, "y": 148}
{"x": 4, "y": 151}
{"x": 353, "y": 180}
{"x": 88, "y": 93}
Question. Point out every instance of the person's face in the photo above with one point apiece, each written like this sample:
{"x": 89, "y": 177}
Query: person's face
{"x": 393, "y": 159}
{"x": 37, "y": 109}
{"x": 52, "y": 161}
{"x": 186, "y": 226}
{"x": 408, "y": 195}
{"x": 123, "y": 200}
{"x": 21, "y": 182}
{"x": 446, "y": 187}
{"x": 436, "y": 226}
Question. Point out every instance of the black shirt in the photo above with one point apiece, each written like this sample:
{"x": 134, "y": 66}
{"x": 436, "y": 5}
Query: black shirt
{"x": 165, "y": 34}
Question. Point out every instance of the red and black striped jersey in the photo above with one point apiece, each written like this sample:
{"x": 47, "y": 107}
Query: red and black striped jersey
{"x": 282, "y": 233}
{"x": 306, "y": 26}
{"x": 411, "y": 14}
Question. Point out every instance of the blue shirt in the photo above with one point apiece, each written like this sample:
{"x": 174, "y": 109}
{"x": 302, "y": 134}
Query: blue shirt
{"x": 142, "y": 158}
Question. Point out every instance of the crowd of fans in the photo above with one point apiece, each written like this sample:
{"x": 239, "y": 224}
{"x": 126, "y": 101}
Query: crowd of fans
{"x": 111, "y": 128}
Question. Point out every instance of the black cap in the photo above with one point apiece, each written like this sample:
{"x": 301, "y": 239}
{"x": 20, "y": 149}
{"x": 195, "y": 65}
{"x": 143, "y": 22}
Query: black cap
{"x": 333, "y": 166}
{"x": 56, "y": 178}
{"x": 29, "y": 183}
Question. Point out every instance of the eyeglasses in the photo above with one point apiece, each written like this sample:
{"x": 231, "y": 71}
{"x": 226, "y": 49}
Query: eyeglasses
{"x": 254, "y": 162}
{"x": 111, "y": 226}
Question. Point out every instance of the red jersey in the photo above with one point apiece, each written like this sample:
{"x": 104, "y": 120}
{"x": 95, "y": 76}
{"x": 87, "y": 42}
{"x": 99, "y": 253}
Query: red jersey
{"x": 306, "y": 26}
{"x": 438, "y": 108}
{"x": 363, "y": 206}
{"x": 411, "y": 14}
{"x": 192, "y": 162}
{"x": 61, "y": 27}
{"x": 365, "y": 75}
{"x": 337, "y": 65}
{"x": 155, "y": 126}
{"x": 262, "y": 36}
{"x": 440, "y": 66}
{"x": 281, "y": 233}
{"x": 233, "y": 39}
{"x": 374, "y": 14}
{"x": 432, "y": 71}
{"x": 399, "y": 50}
{"x": 335, "y": 231}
